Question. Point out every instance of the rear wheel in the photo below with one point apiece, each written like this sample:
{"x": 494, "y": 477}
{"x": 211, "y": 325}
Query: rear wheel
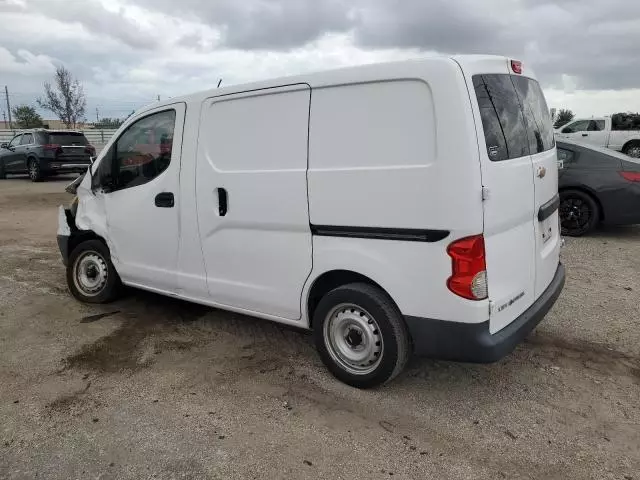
{"x": 91, "y": 276}
{"x": 35, "y": 174}
{"x": 579, "y": 213}
{"x": 360, "y": 335}
{"x": 3, "y": 174}
{"x": 632, "y": 149}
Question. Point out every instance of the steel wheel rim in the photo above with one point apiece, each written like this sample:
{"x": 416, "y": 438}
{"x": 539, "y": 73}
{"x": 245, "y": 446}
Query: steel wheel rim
{"x": 90, "y": 273}
{"x": 575, "y": 214}
{"x": 353, "y": 339}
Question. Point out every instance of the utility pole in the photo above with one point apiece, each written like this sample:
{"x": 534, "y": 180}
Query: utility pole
{"x": 6, "y": 92}
{"x": 97, "y": 116}
{"x": 4, "y": 115}
{"x": 158, "y": 97}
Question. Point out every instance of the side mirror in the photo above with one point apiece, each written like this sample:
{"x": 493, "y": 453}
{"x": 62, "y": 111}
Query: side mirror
{"x": 567, "y": 130}
{"x": 4, "y": 145}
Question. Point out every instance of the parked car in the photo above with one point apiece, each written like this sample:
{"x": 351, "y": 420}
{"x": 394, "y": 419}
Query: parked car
{"x": 621, "y": 136}
{"x": 596, "y": 185}
{"x": 365, "y": 212}
{"x": 41, "y": 153}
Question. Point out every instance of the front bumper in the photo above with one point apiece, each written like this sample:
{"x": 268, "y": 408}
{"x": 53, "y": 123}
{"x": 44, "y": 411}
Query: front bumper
{"x": 465, "y": 342}
{"x": 63, "y": 245}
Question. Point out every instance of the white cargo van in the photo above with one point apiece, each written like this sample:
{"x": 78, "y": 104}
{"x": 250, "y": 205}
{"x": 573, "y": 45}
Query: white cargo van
{"x": 393, "y": 208}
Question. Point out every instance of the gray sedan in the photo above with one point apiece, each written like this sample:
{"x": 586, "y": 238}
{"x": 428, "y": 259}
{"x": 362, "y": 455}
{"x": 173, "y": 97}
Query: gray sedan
{"x": 596, "y": 186}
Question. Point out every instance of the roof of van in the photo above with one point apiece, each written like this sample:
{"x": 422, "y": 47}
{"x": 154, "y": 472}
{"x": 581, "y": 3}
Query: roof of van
{"x": 360, "y": 73}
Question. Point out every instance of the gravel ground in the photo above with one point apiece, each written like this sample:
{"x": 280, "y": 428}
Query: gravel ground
{"x": 151, "y": 387}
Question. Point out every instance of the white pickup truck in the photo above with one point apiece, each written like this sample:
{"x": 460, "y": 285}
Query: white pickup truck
{"x": 621, "y": 134}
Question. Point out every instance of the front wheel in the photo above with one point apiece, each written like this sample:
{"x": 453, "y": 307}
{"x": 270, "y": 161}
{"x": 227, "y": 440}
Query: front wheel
{"x": 579, "y": 213}
{"x": 91, "y": 276}
{"x": 361, "y": 335}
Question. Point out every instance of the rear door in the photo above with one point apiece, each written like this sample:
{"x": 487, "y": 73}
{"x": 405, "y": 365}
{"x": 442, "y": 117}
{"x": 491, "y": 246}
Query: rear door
{"x": 545, "y": 179}
{"x": 510, "y": 126}
{"x": 595, "y": 134}
{"x": 74, "y": 147}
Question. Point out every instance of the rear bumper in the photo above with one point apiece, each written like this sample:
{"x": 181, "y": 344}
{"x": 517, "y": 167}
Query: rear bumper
{"x": 52, "y": 167}
{"x": 466, "y": 342}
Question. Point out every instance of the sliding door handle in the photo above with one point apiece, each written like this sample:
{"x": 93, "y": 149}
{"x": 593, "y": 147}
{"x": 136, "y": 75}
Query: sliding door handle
{"x": 222, "y": 201}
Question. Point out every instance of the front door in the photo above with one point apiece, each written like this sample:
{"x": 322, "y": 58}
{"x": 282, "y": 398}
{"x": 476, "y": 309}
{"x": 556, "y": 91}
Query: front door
{"x": 251, "y": 189}
{"x": 142, "y": 208}
{"x": 12, "y": 156}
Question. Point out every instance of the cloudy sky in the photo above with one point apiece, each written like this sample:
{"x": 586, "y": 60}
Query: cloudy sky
{"x": 126, "y": 52}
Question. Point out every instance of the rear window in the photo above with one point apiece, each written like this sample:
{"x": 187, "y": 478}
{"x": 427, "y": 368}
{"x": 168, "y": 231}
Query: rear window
{"x": 67, "y": 138}
{"x": 515, "y": 116}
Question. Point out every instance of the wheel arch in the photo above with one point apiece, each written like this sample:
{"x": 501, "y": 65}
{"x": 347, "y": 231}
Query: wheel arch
{"x": 330, "y": 280}
{"x": 79, "y": 236}
{"x": 629, "y": 142}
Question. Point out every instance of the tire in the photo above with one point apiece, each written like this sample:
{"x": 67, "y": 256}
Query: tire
{"x": 35, "y": 174}
{"x": 632, "y": 149}
{"x": 360, "y": 320}
{"x": 91, "y": 277}
{"x": 579, "y": 213}
{"x": 3, "y": 174}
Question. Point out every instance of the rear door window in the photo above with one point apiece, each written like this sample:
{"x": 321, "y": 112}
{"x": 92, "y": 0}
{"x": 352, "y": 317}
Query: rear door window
{"x": 596, "y": 125}
{"x": 536, "y": 114}
{"x": 504, "y": 128}
{"x": 514, "y": 114}
{"x": 67, "y": 138}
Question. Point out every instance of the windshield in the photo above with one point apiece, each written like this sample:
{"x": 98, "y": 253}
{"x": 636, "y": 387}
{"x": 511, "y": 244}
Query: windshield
{"x": 515, "y": 117}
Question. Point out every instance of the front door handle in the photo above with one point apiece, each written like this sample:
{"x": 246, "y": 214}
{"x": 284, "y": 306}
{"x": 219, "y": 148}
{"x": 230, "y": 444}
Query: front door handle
{"x": 222, "y": 201}
{"x": 165, "y": 200}
{"x": 585, "y": 134}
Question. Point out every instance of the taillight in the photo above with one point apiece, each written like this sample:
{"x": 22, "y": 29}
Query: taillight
{"x": 631, "y": 176}
{"x": 51, "y": 146}
{"x": 469, "y": 271}
{"x": 516, "y": 66}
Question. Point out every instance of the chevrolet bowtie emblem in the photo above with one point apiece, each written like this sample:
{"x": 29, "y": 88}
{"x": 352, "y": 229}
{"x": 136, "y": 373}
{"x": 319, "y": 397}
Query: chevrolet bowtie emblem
{"x": 542, "y": 172}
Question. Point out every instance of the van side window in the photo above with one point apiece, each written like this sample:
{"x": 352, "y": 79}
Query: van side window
{"x": 143, "y": 151}
{"x": 502, "y": 119}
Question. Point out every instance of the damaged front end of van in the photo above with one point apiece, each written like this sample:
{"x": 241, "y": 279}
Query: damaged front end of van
{"x": 84, "y": 219}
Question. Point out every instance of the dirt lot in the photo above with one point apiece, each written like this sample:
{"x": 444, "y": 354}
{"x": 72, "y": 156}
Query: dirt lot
{"x": 151, "y": 387}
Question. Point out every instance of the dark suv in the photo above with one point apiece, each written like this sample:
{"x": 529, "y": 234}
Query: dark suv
{"x": 41, "y": 153}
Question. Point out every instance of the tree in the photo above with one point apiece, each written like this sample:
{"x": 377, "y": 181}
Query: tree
{"x": 108, "y": 123}
{"x": 563, "y": 117}
{"x": 26, "y": 117}
{"x": 65, "y": 98}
